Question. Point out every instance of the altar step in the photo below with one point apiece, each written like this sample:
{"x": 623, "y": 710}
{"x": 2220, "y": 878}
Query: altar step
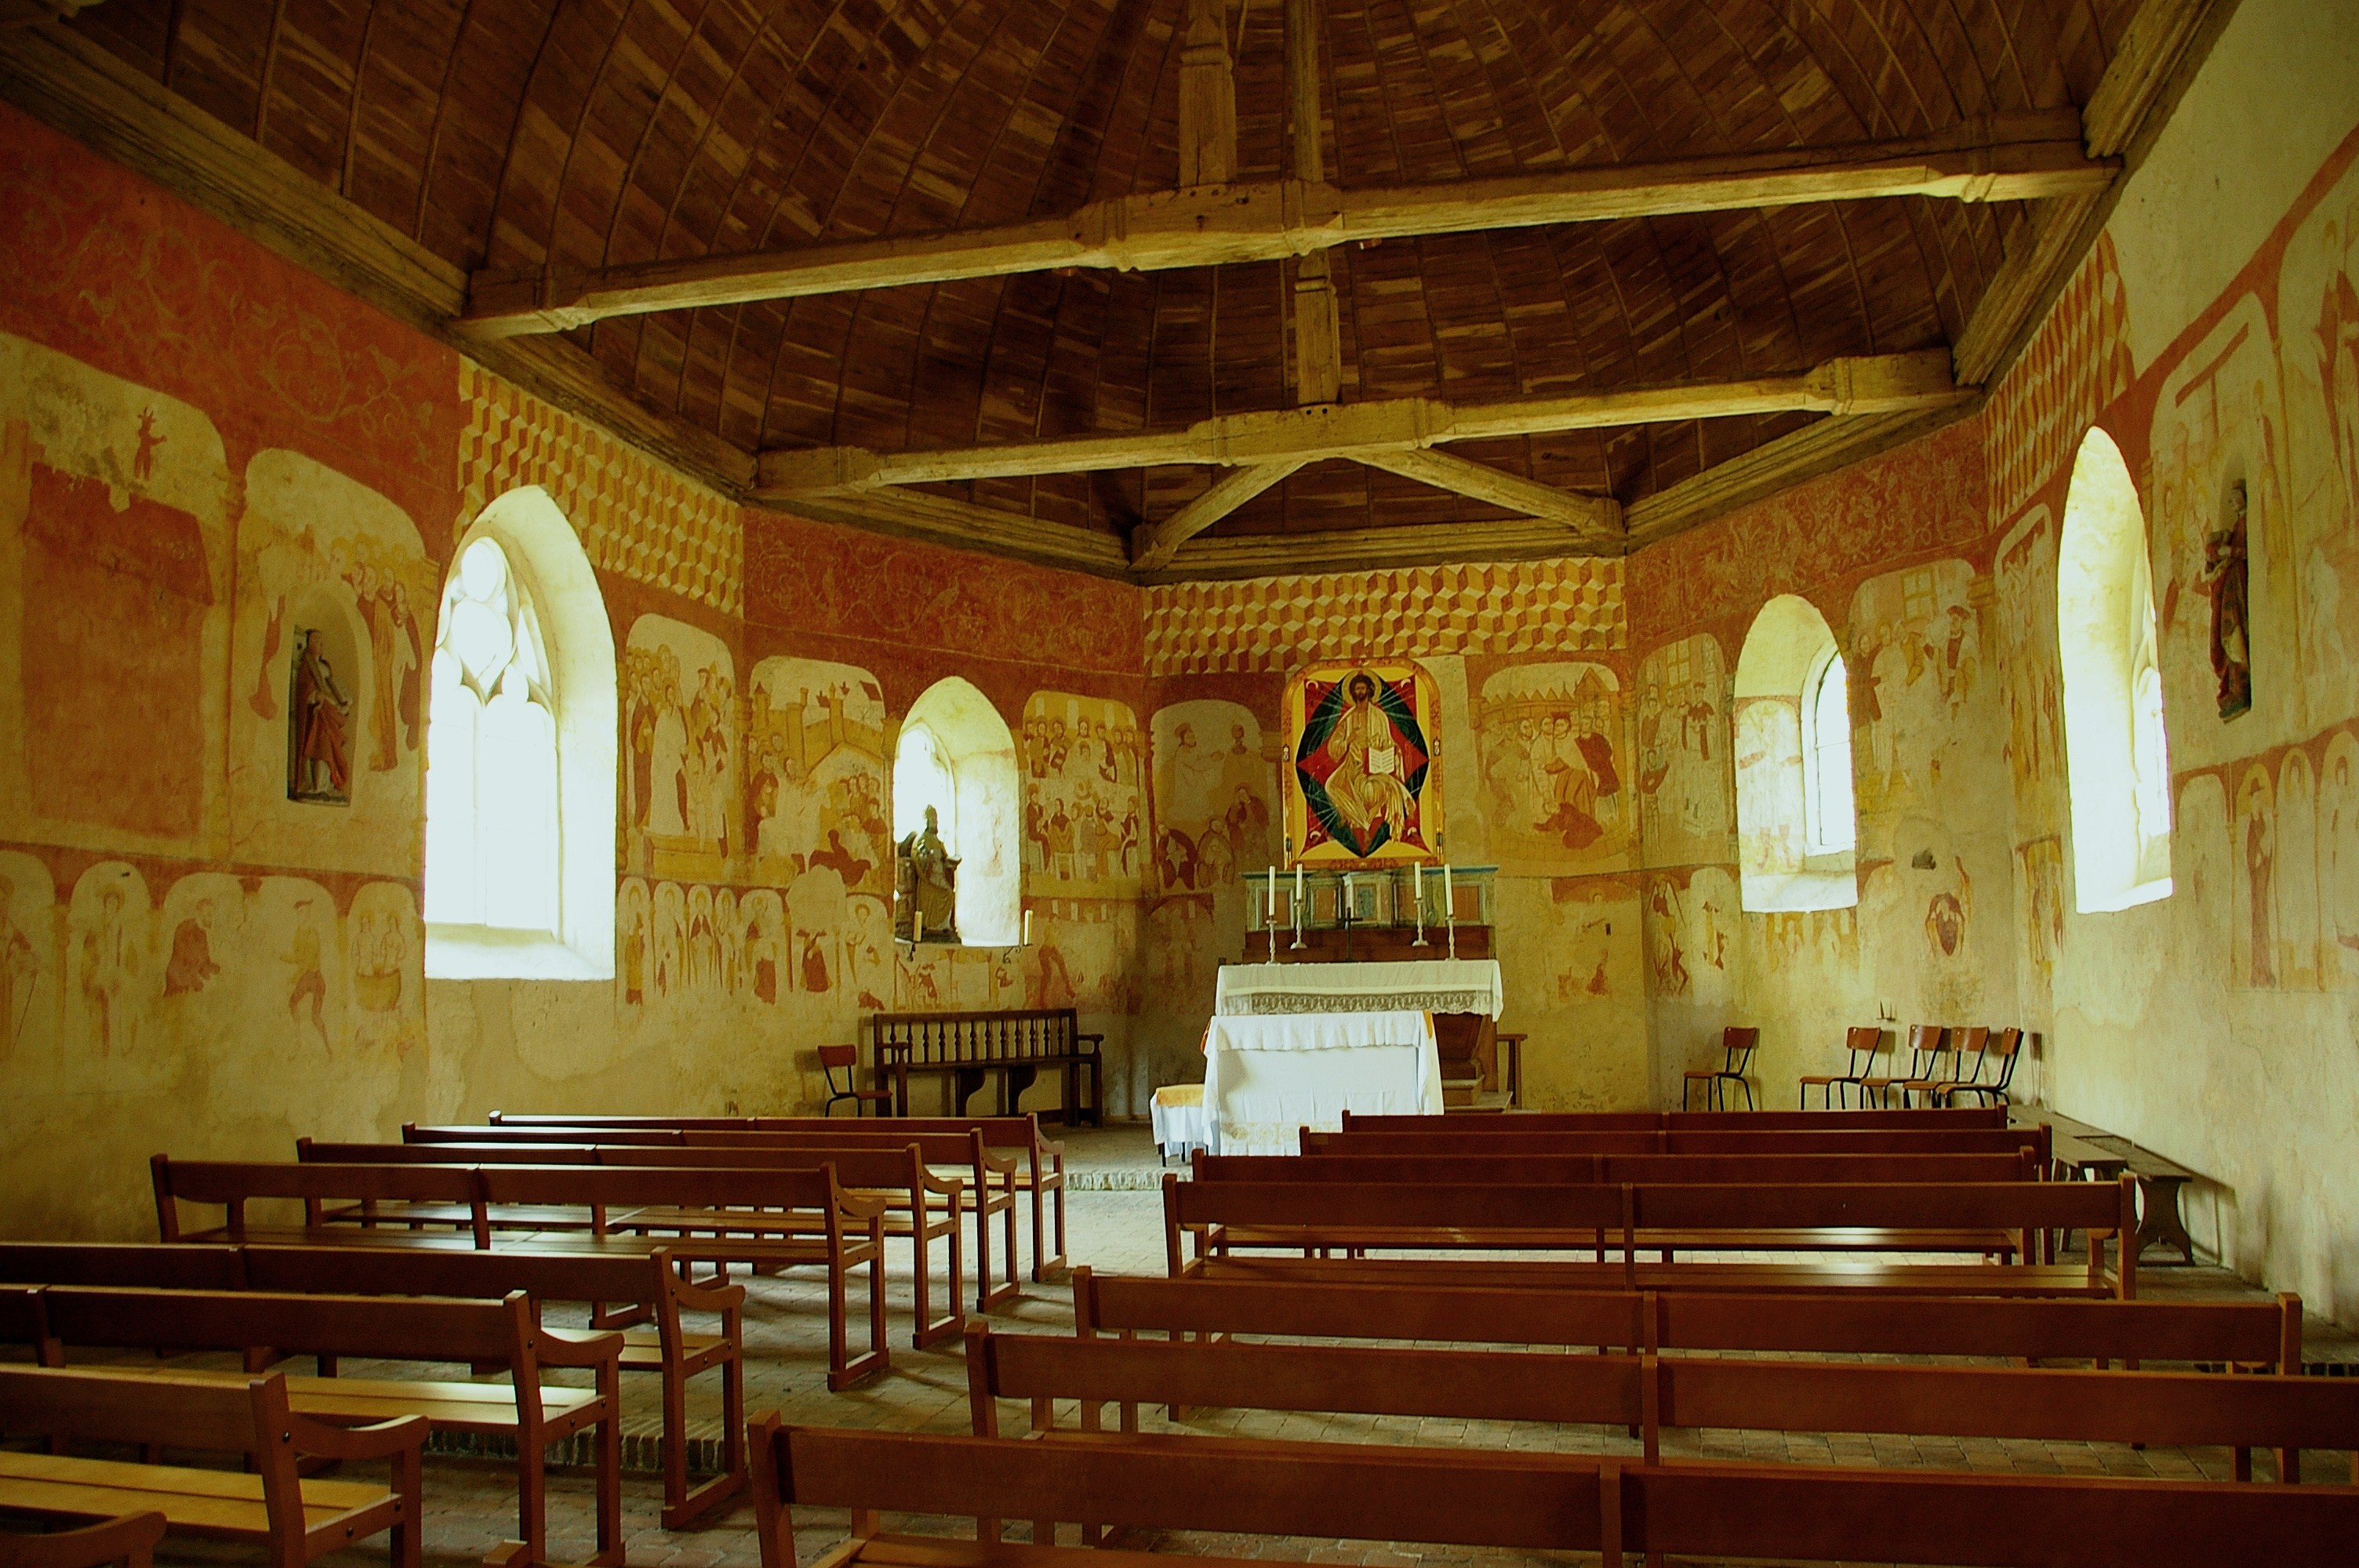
{"x": 1468, "y": 1096}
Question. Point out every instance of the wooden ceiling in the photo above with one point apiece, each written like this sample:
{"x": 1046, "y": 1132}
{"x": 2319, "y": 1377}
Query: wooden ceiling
{"x": 530, "y": 144}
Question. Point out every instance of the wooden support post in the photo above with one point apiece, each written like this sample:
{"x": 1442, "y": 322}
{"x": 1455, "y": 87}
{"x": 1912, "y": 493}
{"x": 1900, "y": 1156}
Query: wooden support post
{"x": 1208, "y": 98}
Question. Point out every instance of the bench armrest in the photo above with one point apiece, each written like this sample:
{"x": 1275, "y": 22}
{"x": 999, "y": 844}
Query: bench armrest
{"x": 948, "y": 1186}
{"x": 704, "y": 1298}
{"x": 381, "y": 1440}
{"x": 1093, "y": 1039}
{"x": 1000, "y": 1165}
{"x": 578, "y": 1347}
{"x": 861, "y": 1206}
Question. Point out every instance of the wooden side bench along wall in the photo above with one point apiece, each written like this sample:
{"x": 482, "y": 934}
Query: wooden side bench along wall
{"x": 969, "y": 1047}
{"x": 267, "y": 1326}
{"x": 1528, "y": 1502}
{"x": 295, "y": 1519}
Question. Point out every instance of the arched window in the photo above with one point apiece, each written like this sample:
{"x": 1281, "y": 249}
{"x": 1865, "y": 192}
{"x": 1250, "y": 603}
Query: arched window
{"x": 956, "y": 754}
{"x": 2116, "y": 758}
{"x": 520, "y": 750}
{"x": 1831, "y": 826}
{"x": 1795, "y": 824}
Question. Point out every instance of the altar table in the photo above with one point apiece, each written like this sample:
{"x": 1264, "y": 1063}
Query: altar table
{"x": 1267, "y": 1077}
{"x": 1431, "y": 985}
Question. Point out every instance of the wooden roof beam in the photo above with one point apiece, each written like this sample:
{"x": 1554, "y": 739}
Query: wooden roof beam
{"x": 1878, "y": 384}
{"x": 2009, "y": 158}
{"x": 1596, "y": 519}
{"x": 1152, "y": 544}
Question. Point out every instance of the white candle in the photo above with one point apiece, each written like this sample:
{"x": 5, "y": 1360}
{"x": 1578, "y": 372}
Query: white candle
{"x": 1418, "y": 879}
{"x": 916, "y": 925}
{"x": 1028, "y": 928}
{"x": 1269, "y": 910}
{"x": 1298, "y": 887}
{"x": 1449, "y": 906}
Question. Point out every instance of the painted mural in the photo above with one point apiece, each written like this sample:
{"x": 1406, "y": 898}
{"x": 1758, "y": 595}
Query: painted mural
{"x": 1684, "y": 774}
{"x": 1213, "y": 780}
{"x": 1555, "y": 768}
{"x": 679, "y": 704}
{"x": 1085, "y": 828}
{"x": 1365, "y": 786}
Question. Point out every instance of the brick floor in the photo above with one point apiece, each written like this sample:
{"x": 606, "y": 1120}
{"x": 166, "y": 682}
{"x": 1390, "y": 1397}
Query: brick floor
{"x": 471, "y": 1502}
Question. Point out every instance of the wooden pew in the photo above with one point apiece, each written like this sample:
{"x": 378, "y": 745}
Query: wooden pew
{"x": 719, "y": 1215}
{"x": 1041, "y": 1171}
{"x": 1531, "y": 1502}
{"x": 967, "y": 1047}
{"x": 2251, "y": 1336}
{"x": 1312, "y": 1215}
{"x": 920, "y": 1205}
{"x": 1651, "y": 1392}
{"x": 991, "y": 1178}
{"x": 652, "y": 1286}
{"x": 296, "y": 1520}
{"x": 700, "y": 1214}
{"x": 267, "y": 1326}
{"x": 1589, "y": 1169}
{"x": 1925, "y": 1119}
{"x": 128, "y": 1541}
{"x": 1864, "y": 1141}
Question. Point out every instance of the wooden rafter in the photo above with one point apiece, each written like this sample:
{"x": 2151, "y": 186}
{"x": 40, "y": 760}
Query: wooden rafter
{"x": 1152, "y": 544}
{"x": 1595, "y": 519}
{"x": 1317, "y": 328}
{"x": 2009, "y": 158}
{"x": 1878, "y": 384}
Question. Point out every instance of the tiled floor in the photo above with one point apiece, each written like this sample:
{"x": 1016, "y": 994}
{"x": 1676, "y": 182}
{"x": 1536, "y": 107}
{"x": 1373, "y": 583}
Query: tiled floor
{"x": 1116, "y": 1228}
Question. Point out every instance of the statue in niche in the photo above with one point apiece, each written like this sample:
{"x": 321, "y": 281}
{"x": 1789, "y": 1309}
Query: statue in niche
{"x": 2225, "y": 578}
{"x": 925, "y": 884}
{"x": 318, "y": 744}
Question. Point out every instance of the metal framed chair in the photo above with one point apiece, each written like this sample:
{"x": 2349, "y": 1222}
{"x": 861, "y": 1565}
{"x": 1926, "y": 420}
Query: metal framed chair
{"x": 1736, "y": 1043}
{"x": 2005, "y": 1048}
{"x": 1964, "y": 1048}
{"x": 845, "y": 1059}
{"x": 1864, "y": 1041}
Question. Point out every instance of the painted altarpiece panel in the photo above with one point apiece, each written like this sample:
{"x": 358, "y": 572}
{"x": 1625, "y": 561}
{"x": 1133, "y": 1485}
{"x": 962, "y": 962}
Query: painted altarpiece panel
{"x": 1364, "y": 788}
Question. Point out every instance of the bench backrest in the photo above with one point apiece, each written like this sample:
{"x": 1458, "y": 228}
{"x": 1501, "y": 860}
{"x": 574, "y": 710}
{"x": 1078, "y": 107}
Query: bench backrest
{"x": 546, "y": 1276}
{"x": 878, "y": 1164}
{"x": 315, "y": 1151}
{"x": 1926, "y": 1118}
{"x": 861, "y": 1159}
{"x": 2164, "y": 1407}
{"x": 2245, "y": 1333}
{"x": 1715, "y": 1141}
{"x": 1618, "y": 1168}
{"x": 233, "y": 1184}
{"x": 417, "y": 1133}
{"x": 1014, "y": 1035}
{"x": 187, "y": 1266}
{"x": 398, "y": 1328}
{"x": 1022, "y": 1132}
{"x": 1541, "y": 1502}
{"x": 681, "y": 1186}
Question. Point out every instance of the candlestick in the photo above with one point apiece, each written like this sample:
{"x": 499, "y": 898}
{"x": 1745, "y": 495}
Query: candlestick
{"x": 1419, "y": 901}
{"x": 1297, "y": 910}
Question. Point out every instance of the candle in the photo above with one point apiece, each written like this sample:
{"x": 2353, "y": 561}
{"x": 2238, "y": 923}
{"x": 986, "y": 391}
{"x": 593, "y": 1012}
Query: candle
{"x": 1269, "y": 910}
{"x": 1028, "y": 928}
{"x": 1449, "y": 904}
{"x": 1298, "y": 887}
{"x": 917, "y": 926}
{"x": 1418, "y": 879}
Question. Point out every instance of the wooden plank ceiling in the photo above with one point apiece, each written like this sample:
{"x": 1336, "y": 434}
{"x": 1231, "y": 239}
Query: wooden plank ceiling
{"x": 1403, "y": 231}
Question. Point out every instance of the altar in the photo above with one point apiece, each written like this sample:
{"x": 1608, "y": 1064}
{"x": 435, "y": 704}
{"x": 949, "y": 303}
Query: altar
{"x": 1431, "y": 985}
{"x": 1268, "y": 1077}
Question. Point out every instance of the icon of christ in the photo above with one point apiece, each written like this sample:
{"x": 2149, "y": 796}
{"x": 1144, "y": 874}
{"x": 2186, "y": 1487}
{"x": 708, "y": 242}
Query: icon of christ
{"x": 1362, "y": 763}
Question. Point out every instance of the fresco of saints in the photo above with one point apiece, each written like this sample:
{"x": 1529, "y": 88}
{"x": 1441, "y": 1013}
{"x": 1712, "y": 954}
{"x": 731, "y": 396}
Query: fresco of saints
{"x": 1362, "y": 762}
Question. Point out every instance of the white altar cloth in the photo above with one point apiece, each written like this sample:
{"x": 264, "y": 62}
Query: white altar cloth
{"x": 1428, "y": 985}
{"x": 1267, "y": 1079}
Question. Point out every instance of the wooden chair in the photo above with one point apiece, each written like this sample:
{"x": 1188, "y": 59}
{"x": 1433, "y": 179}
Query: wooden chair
{"x": 296, "y": 1520}
{"x": 845, "y": 1059}
{"x": 1736, "y": 1045}
{"x": 2005, "y": 1048}
{"x": 129, "y": 1539}
{"x": 1865, "y": 1041}
{"x": 1965, "y": 1049}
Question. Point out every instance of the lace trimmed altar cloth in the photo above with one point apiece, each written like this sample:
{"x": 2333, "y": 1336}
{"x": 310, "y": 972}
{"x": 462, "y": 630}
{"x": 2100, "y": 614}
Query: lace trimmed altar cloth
{"x": 1268, "y": 1077}
{"x": 1429, "y": 985}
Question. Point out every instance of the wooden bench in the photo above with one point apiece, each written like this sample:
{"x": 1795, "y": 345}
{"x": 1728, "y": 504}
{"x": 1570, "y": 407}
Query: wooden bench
{"x": 1955, "y": 1118}
{"x": 129, "y": 1540}
{"x": 920, "y": 1205}
{"x": 652, "y": 1286}
{"x": 1587, "y": 1169}
{"x": 1527, "y": 1502}
{"x": 296, "y": 1520}
{"x": 2250, "y": 1336}
{"x": 1650, "y": 1392}
{"x": 719, "y": 1215}
{"x": 268, "y": 1325}
{"x": 1714, "y": 1142}
{"x": 968, "y": 1048}
{"x": 1353, "y": 1217}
